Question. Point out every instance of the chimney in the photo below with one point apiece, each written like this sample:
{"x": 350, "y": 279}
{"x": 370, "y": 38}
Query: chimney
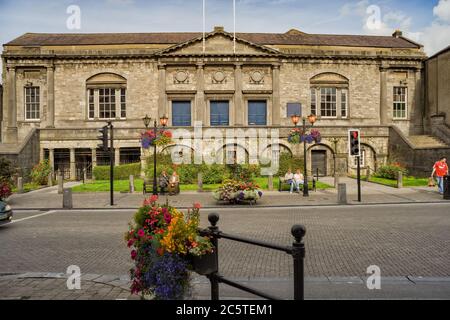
{"x": 219, "y": 29}
{"x": 397, "y": 34}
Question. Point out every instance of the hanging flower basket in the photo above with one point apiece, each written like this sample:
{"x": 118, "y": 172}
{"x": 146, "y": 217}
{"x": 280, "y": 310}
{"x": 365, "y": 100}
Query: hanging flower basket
{"x": 297, "y": 136}
{"x": 162, "y": 138}
{"x": 163, "y": 243}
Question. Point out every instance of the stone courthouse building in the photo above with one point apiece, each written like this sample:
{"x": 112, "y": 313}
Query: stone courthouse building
{"x": 59, "y": 89}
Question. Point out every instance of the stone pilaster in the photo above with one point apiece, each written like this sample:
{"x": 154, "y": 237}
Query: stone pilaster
{"x": 383, "y": 96}
{"x": 419, "y": 106}
{"x": 73, "y": 168}
{"x": 11, "y": 132}
{"x": 238, "y": 103}
{"x": 276, "y": 107}
{"x": 94, "y": 157}
{"x": 51, "y": 158}
{"x": 116, "y": 157}
{"x": 162, "y": 107}
{"x": 200, "y": 108}
{"x": 50, "y": 97}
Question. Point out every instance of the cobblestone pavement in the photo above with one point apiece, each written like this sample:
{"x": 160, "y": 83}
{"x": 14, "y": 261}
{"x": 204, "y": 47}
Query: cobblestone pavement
{"x": 403, "y": 240}
{"x": 48, "y": 286}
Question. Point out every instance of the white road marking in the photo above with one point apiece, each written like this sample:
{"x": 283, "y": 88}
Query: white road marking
{"x": 35, "y": 216}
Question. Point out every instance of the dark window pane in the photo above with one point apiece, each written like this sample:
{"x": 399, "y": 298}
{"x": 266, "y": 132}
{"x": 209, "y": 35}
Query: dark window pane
{"x": 181, "y": 113}
{"x": 294, "y": 109}
{"x": 220, "y": 111}
{"x": 257, "y": 113}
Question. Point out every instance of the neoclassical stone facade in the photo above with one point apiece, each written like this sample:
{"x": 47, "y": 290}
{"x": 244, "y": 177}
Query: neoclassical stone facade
{"x": 67, "y": 86}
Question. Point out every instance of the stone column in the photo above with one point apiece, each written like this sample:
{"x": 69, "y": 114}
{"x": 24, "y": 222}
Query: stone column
{"x": 51, "y": 159}
{"x": 50, "y": 97}
{"x": 200, "y": 108}
{"x": 383, "y": 97}
{"x": 238, "y": 103}
{"x": 419, "y": 106}
{"x": 94, "y": 157}
{"x": 12, "y": 136}
{"x": 73, "y": 169}
{"x": 41, "y": 154}
{"x": 162, "y": 109}
{"x": 276, "y": 95}
{"x": 116, "y": 157}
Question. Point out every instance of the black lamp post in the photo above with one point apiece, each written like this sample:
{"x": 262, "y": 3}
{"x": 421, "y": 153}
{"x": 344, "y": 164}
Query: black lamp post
{"x": 163, "y": 122}
{"x": 295, "y": 120}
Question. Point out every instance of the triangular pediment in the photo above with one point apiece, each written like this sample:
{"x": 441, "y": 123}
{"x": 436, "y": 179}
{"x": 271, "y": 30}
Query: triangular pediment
{"x": 218, "y": 43}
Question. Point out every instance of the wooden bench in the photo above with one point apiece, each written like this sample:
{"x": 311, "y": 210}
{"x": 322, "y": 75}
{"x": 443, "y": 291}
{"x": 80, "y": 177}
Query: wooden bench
{"x": 282, "y": 183}
{"x": 148, "y": 187}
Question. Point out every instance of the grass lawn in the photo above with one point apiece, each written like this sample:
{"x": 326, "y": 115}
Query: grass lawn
{"x": 122, "y": 186}
{"x": 27, "y": 187}
{"x": 407, "y": 181}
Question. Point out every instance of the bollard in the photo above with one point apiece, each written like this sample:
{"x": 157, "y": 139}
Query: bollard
{"x": 200, "y": 182}
{"x": 368, "y": 176}
{"x": 20, "y": 185}
{"x": 342, "y": 193}
{"x": 270, "y": 182}
{"x": 67, "y": 199}
{"x": 213, "y": 218}
{"x": 50, "y": 180}
{"x": 299, "y": 231}
{"x": 336, "y": 180}
{"x": 400, "y": 180}
{"x": 446, "y": 187}
{"x": 84, "y": 175}
{"x": 131, "y": 185}
{"x": 60, "y": 184}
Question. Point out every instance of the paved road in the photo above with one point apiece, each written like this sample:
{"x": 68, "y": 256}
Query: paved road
{"x": 403, "y": 240}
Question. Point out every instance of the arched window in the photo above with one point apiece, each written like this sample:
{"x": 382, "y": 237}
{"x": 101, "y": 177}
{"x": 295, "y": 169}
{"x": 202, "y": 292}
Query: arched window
{"x": 107, "y": 97}
{"x": 329, "y": 95}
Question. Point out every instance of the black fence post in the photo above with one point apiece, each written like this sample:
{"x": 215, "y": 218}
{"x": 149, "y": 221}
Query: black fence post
{"x": 299, "y": 231}
{"x": 213, "y": 218}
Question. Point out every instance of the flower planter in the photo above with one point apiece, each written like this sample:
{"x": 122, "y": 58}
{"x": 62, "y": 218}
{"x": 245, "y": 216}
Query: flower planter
{"x": 205, "y": 265}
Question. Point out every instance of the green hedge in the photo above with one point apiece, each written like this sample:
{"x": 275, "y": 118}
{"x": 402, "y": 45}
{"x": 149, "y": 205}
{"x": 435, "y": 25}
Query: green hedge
{"x": 122, "y": 172}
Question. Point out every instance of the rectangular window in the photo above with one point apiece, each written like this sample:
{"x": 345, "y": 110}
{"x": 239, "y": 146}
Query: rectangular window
{"x": 344, "y": 104}
{"x": 32, "y": 103}
{"x": 107, "y": 103}
{"x": 91, "y": 104}
{"x": 328, "y": 102}
{"x": 400, "y": 98}
{"x": 257, "y": 113}
{"x": 294, "y": 109}
{"x": 181, "y": 113}
{"x": 123, "y": 103}
{"x": 313, "y": 102}
{"x": 220, "y": 113}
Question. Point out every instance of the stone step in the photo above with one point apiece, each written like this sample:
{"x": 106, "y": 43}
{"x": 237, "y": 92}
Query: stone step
{"x": 424, "y": 141}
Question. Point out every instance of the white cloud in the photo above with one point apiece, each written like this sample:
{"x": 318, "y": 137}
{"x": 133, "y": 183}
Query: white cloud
{"x": 442, "y": 10}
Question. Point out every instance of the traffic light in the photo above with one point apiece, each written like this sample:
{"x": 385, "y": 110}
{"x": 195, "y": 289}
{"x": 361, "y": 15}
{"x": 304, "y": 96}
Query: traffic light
{"x": 354, "y": 142}
{"x": 103, "y": 138}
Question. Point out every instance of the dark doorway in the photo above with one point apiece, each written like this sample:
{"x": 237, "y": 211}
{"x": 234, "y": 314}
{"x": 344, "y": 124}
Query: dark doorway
{"x": 83, "y": 159}
{"x": 319, "y": 161}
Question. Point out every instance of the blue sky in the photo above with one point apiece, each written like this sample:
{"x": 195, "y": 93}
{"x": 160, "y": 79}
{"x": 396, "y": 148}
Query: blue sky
{"x": 426, "y": 21}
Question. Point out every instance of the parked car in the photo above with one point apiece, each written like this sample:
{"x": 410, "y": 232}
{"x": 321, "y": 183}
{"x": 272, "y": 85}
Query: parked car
{"x": 6, "y": 213}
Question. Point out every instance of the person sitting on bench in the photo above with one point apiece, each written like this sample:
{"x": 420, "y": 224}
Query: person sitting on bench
{"x": 174, "y": 183}
{"x": 297, "y": 181}
{"x": 163, "y": 181}
{"x": 289, "y": 178}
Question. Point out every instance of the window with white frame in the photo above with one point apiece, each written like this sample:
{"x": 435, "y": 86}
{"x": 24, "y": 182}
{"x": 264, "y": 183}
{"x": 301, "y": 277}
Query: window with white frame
{"x": 123, "y": 103}
{"x": 107, "y": 103}
{"x": 32, "y": 103}
{"x": 400, "y": 103}
{"x": 344, "y": 103}
{"x": 313, "y": 101}
{"x": 328, "y": 102}
{"x": 91, "y": 110}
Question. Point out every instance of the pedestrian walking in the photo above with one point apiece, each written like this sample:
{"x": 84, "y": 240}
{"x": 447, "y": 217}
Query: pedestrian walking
{"x": 440, "y": 169}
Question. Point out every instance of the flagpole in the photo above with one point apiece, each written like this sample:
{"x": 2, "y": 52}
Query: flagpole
{"x": 204, "y": 26}
{"x": 234, "y": 26}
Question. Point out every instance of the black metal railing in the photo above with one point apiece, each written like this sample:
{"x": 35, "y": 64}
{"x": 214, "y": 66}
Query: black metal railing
{"x": 297, "y": 251}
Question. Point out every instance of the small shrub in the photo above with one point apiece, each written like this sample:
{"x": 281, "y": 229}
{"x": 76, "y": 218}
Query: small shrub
{"x": 5, "y": 190}
{"x": 122, "y": 172}
{"x": 6, "y": 170}
{"x": 391, "y": 171}
{"x": 213, "y": 174}
{"x": 39, "y": 174}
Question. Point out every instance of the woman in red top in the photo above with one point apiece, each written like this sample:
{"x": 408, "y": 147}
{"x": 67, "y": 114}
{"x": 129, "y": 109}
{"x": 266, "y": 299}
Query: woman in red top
{"x": 441, "y": 170}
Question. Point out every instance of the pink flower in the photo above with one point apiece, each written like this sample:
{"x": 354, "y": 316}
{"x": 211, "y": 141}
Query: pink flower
{"x": 141, "y": 233}
{"x": 153, "y": 198}
{"x": 197, "y": 206}
{"x": 167, "y": 218}
{"x": 130, "y": 243}
{"x": 133, "y": 254}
